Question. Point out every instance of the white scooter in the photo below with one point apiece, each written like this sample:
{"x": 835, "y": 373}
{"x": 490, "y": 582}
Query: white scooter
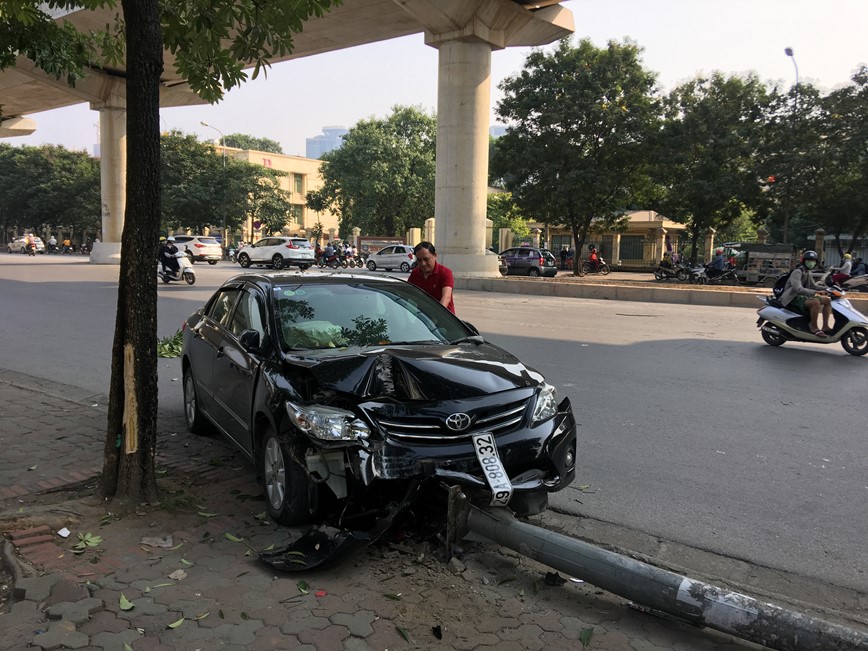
{"x": 185, "y": 270}
{"x": 778, "y": 325}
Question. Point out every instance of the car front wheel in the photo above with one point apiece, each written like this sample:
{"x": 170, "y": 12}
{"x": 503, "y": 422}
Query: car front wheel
{"x": 244, "y": 260}
{"x": 372, "y": 266}
{"x": 290, "y": 496}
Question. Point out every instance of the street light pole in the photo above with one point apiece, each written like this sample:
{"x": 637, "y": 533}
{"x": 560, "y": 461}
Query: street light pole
{"x": 223, "y": 191}
{"x": 789, "y": 52}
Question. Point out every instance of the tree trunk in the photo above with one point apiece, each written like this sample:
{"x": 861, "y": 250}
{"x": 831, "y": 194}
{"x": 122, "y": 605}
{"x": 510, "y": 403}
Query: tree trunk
{"x": 128, "y": 465}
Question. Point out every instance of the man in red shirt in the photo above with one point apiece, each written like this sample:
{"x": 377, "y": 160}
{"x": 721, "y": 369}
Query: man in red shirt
{"x": 433, "y": 278}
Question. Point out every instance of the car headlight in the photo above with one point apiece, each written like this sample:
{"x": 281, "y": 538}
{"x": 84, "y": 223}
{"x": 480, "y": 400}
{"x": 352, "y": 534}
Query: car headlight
{"x": 327, "y": 423}
{"x": 546, "y": 404}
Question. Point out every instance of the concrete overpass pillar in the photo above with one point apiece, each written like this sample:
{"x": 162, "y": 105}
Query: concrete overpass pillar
{"x": 113, "y": 177}
{"x": 465, "y": 32}
{"x": 464, "y": 98}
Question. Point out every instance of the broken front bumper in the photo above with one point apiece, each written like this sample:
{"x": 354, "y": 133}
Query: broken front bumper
{"x": 538, "y": 458}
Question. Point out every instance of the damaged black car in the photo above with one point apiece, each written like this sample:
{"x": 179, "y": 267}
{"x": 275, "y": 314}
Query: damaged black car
{"x": 340, "y": 387}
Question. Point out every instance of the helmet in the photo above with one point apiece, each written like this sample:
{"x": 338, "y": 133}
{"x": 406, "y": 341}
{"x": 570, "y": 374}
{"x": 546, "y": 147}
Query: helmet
{"x": 170, "y": 239}
{"x": 162, "y": 239}
{"x": 718, "y": 252}
{"x": 847, "y": 256}
{"x": 810, "y": 255}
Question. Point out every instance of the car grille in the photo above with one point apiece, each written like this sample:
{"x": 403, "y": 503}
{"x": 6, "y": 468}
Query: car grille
{"x": 432, "y": 429}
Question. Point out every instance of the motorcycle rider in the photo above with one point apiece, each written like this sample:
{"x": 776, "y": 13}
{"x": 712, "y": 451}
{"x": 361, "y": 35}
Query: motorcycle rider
{"x": 858, "y": 267}
{"x": 593, "y": 258}
{"x": 843, "y": 274}
{"x": 717, "y": 265}
{"x": 167, "y": 255}
{"x": 52, "y": 244}
{"x": 329, "y": 253}
{"x": 804, "y": 296}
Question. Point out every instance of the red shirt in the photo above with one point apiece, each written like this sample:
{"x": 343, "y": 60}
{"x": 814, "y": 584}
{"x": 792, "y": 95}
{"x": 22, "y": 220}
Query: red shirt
{"x": 440, "y": 277}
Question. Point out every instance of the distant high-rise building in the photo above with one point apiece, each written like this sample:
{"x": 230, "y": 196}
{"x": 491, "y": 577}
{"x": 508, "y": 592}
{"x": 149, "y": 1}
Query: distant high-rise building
{"x": 330, "y": 138}
{"x": 496, "y": 130}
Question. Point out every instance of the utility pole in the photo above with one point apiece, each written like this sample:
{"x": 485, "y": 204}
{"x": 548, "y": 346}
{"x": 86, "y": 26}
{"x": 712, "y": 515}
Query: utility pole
{"x": 789, "y": 177}
{"x": 223, "y": 186}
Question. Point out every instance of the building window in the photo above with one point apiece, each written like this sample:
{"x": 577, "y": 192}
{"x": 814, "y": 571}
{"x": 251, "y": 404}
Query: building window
{"x": 295, "y": 212}
{"x": 297, "y": 183}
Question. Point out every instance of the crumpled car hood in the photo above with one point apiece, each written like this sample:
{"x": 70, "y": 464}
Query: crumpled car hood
{"x": 419, "y": 372}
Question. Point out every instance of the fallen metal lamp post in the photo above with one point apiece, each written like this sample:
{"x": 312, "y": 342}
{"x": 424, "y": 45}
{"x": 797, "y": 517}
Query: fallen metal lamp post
{"x": 694, "y": 602}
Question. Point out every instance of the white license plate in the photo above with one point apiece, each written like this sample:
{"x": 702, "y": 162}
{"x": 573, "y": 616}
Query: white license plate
{"x": 492, "y": 468}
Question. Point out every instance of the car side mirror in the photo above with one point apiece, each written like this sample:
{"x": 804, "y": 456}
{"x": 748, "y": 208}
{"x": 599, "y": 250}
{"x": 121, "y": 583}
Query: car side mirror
{"x": 250, "y": 340}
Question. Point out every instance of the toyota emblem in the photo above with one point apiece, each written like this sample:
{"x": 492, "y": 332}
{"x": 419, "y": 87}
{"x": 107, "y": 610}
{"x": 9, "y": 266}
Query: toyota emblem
{"x": 458, "y": 422}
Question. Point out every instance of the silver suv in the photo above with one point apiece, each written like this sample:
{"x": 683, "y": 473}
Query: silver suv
{"x": 279, "y": 252}
{"x": 200, "y": 248}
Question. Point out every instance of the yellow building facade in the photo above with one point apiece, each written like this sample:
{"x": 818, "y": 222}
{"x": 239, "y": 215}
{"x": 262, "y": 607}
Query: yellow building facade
{"x": 302, "y": 175}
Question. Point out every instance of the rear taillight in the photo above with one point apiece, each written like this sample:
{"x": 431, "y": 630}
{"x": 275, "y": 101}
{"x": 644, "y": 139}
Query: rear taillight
{"x": 409, "y": 256}
{"x": 542, "y": 262}
{"x": 291, "y": 246}
{"x": 199, "y": 245}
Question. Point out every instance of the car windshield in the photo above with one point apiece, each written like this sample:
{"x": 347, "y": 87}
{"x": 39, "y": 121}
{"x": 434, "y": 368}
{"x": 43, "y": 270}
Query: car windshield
{"x": 359, "y": 314}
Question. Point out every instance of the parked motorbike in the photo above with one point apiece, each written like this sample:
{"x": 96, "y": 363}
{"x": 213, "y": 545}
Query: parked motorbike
{"x": 779, "y": 325}
{"x": 852, "y": 284}
{"x": 332, "y": 262}
{"x": 185, "y": 270}
{"x": 602, "y": 267}
{"x": 679, "y": 272}
{"x": 699, "y": 276}
{"x": 52, "y": 249}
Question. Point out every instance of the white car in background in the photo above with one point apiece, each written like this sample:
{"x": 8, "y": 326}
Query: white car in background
{"x": 394, "y": 256}
{"x": 19, "y": 245}
{"x": 278, "y": 252}
{"x": 200, "y": 248}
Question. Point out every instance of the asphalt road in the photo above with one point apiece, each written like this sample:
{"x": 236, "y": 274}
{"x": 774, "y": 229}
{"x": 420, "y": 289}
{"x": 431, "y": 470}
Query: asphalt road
{"x": 691, "y": 428}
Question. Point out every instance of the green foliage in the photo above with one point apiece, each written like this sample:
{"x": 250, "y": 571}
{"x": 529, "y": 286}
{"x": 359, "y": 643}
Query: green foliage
{"x": 704, "y": 156}
{"x": 202, "y": 189}
{"x": 504, "y": 213}
{"x": 381, "y": 179}
{"x": 212, "y": 41}
{"x": 576, "y": 148}
{"x": 170, "y": 346}
{"x": 836, "y": 192}
{"x": 48, "y": 185}
{"x": 57, "y": 48}
{"x": 242, "y": 141}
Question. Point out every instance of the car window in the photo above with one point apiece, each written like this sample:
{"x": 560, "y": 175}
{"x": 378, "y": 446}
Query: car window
{"x": 247, "y": 315}
{"x": 361, "y": 314}
{"x": 208, "y": 240}
{"x": 221, "y": 306}
{"x": 386, "y": 250}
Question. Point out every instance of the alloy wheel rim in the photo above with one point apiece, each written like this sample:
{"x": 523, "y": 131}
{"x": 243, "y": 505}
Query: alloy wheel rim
{"x": 275, "y": 473}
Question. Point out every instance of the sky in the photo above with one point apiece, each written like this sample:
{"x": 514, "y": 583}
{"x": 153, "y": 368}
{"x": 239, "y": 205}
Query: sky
{"x": 680, "y": 38}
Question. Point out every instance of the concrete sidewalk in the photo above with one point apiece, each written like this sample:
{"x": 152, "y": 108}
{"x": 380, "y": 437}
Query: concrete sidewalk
{"x": 188, "y": 566}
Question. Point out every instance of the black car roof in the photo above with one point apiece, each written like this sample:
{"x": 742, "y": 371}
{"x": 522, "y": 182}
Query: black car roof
{"x": 310, "y": 277}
